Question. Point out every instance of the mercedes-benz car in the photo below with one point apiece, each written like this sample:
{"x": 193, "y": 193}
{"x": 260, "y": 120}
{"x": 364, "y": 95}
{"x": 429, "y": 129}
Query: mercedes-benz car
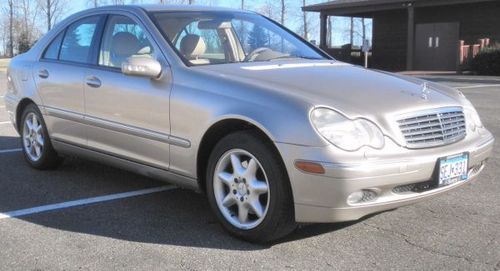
{"x": 230, "y": 103}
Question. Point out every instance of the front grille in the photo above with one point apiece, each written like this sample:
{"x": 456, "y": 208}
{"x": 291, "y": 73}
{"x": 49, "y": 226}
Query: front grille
{"x": 414, "y": 187}
{"x": 430, "y": 129}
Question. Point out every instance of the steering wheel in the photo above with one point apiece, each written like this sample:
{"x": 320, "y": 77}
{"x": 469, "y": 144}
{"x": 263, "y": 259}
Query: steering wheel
{"x": 253, "y": 55}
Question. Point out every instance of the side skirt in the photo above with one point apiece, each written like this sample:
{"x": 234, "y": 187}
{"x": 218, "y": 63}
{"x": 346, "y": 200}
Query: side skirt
{"x": 145, "y": 170}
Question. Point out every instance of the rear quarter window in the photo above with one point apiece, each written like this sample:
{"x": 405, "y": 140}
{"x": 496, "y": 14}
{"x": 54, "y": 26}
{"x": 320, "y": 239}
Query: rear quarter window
{"x": 52, "y": 51}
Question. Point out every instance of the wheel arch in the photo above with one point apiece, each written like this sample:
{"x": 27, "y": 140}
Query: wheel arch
{"x": 20, "y": 109}
{"x": 216, "y": 132}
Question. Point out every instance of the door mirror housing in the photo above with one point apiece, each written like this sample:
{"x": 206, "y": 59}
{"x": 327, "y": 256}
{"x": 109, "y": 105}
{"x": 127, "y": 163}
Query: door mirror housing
{"x": 142, "y": 66}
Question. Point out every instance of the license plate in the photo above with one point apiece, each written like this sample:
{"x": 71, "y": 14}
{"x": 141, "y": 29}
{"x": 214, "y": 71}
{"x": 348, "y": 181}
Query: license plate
{"x": 453, "y": 169}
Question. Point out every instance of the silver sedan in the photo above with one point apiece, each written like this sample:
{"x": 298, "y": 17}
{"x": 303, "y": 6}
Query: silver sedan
{"x": 232, "y": 104}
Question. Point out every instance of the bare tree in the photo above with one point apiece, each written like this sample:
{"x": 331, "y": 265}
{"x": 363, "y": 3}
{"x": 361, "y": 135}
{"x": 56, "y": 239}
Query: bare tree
{"x": 10, "y": 4}
{"x": 52, "y": 9}
{"x": 189, "y": 2}
{"x": 118, "y": 2}
{"x": 18, "y": 26}
{"x": 363, "y": 29}
{"x": 267, "y": 9}
{"x": 28, "y": 16}
{"x": 93, "y": 3}
{"x": 306, "y": 30}
{"x": 329, "y": 32}
{"x": 283, "y": 11}
{"x": 4, "y": 36}
{"x": 351, "y": 32}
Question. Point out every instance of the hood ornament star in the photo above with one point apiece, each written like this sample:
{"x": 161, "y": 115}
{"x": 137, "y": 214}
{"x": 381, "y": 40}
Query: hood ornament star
{"x": 425, "y": 91}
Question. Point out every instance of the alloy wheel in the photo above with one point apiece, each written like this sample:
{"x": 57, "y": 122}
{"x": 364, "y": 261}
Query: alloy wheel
{"x": 241, "y": 189}
{"x": 33, "y": 139}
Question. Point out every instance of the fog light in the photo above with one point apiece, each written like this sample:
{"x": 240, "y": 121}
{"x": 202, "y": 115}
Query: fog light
{"x": 362, "y": 196}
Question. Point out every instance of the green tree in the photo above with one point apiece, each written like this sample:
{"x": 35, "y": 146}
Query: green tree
{"x": 23, "y": 43}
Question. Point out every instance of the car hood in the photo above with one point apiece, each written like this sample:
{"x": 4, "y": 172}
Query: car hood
{"x": 351, "y": 90}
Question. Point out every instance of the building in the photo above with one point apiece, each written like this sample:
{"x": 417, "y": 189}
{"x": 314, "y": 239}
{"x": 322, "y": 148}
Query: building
{"x": 416, "y": 34}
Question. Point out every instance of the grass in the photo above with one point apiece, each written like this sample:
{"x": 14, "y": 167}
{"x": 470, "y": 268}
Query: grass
{"x": 4, "y": 62}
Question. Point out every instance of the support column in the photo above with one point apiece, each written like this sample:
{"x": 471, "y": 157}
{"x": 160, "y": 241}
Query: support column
{"x": 410, "y": 49}
{"x": 323, "y": 30}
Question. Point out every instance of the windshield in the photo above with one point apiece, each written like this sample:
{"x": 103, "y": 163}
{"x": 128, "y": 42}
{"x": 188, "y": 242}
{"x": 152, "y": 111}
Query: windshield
{"x": 207, "y": 38}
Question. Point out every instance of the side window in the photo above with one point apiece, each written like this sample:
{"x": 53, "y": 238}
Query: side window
{"x": 52, "y": 50}
{"x": 123, "y": 38}
{"x": 76, "y": 45}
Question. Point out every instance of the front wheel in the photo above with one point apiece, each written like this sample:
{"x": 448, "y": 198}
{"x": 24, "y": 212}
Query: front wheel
{"x": 248, "y": 188}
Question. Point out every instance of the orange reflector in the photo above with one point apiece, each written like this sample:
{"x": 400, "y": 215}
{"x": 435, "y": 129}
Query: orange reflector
{"x": 310, "y": 167}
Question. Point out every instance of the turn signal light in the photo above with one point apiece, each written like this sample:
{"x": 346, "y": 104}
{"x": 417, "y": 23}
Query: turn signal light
{"x": 310, "y": 167}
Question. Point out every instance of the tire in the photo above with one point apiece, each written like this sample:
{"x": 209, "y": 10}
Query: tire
{"x": 269, "y": 215}
{"x": 37, "y": 147}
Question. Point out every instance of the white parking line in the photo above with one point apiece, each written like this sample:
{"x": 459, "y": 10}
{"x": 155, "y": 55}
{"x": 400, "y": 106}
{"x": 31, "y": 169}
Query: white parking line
{"x": 5, "y": 122}
{"x": 10, "y": 151}
{"x": 479, "y": 86}
{"x": 80, "y": 202}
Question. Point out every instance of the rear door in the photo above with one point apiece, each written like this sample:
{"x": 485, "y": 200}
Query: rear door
{"x": 128, "y": 116}
{"x": 59, "y": 76}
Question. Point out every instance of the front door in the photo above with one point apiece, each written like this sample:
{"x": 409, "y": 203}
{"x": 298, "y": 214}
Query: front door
{"x": 127, "y": 116}
{"x": 436, "y": 46}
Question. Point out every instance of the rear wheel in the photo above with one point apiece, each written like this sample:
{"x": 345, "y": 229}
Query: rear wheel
{"x": 248, "y": 188}
{"x": 35, "y": 140}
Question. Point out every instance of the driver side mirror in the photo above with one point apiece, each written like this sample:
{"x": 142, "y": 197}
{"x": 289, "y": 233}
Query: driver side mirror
{"x": 142, "y": 66}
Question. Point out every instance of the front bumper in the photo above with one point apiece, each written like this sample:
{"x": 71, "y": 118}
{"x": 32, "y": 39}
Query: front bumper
{"x": 323, "y": 198}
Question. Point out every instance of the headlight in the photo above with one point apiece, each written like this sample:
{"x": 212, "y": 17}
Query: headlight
{"x": 472, "y": 118}
{"x": 349, "y": 135}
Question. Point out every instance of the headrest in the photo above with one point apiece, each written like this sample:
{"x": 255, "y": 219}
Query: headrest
{"x": 125, "y": 43}
{"x": 193, "y": 46}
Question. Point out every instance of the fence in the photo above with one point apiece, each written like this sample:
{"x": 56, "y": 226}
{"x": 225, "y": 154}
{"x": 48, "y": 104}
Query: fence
{"x": 468, "y": 52}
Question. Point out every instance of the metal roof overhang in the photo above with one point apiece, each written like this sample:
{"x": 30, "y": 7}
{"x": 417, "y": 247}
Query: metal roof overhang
{"x": 348, "y": 7}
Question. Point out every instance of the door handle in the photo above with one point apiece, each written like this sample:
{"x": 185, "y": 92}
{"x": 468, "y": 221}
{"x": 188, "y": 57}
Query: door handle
{"x": 43, "y": 73}
{"x": 93, "y": 81}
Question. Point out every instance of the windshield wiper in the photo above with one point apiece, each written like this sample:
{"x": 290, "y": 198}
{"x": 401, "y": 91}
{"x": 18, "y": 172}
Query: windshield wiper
{"x": 292, "y": 57}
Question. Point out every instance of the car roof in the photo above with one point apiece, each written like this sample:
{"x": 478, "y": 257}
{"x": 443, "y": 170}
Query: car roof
{"x": 158, "y": 8}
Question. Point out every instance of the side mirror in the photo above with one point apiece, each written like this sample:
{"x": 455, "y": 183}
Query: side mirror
{"x": 142, "y": 66}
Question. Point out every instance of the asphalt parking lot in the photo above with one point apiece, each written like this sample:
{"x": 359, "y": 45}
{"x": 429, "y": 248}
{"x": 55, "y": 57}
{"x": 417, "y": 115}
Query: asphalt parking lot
{"x": 174, "y": 229}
